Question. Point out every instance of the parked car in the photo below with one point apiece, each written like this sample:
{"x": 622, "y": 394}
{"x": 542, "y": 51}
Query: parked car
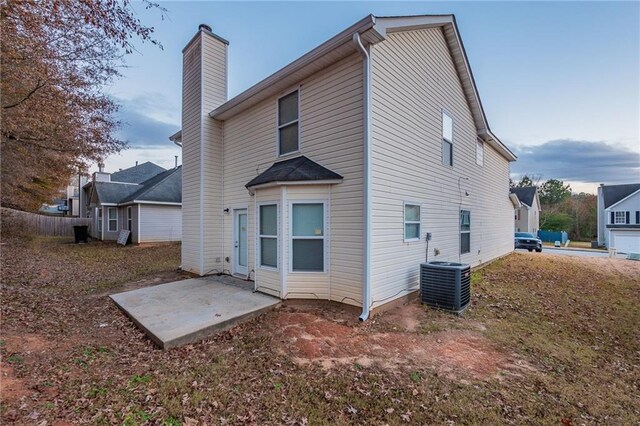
{"x": 526, "y": 240}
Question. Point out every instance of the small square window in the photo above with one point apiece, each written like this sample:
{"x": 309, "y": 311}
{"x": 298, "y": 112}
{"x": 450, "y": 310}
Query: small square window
{"x": 620, "y": 218}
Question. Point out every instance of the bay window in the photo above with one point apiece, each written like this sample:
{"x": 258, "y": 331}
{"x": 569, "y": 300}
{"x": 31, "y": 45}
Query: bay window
{"x": 268, "y": 235}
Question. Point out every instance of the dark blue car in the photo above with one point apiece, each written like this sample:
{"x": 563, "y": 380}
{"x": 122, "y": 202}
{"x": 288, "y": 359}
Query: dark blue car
{"x": 526, "y": 240}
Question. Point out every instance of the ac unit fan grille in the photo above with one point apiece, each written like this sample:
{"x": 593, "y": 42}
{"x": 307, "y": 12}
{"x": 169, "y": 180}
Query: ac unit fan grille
{"x": 445, "y": 288}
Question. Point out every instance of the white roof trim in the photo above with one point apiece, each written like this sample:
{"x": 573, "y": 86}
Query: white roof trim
{"x": 624, "y": 199}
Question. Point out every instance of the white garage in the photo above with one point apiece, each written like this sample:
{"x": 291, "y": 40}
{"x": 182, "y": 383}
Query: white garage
{"x": 625, "y": 241}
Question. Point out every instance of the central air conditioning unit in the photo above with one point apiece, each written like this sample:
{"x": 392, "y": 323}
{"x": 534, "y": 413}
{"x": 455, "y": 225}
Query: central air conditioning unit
{"x": 446, "y": 285}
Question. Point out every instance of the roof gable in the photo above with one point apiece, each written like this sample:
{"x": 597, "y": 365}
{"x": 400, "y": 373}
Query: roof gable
{"x": 526, "y": 194}
{"x": 613, "y": 194}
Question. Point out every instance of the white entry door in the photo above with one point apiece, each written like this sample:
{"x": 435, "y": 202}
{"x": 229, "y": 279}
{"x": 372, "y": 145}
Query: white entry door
{"x": 240, "y": 242}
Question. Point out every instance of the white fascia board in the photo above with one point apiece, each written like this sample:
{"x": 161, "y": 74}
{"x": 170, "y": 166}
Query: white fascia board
{"x": 624, "y": 199}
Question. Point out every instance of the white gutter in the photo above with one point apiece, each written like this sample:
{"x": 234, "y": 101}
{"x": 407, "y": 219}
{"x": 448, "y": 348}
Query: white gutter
{"x": 366, "y": 83}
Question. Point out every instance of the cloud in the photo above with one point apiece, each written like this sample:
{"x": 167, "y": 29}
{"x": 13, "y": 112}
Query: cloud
{"x": 583, "y": 161}
{"x": 140, "y": 126}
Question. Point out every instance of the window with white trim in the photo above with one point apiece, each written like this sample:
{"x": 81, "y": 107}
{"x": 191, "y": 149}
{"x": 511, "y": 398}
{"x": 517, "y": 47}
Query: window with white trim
{"x": 288, "y": 124}
{"x": 411, "y": 222}
{"x": 99, "y": 219}
{"x": 620, "y": 218}
{"x": 112, "y": 213}
{"x": 479, "y": 152}
{"x": 268, "y": 235}
{"x": 447, "y": 139}
{"x": 129, "y": 219}
{"x": 465, "y": 231}
{"x": 308, "y": 237}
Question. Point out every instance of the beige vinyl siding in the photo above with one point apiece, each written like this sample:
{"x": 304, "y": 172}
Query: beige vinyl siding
{"x": 201, "y": 142}
{"x": 413, "y": 81}
{"x": 160, "y": 223}
{"x": 330, "y": 134}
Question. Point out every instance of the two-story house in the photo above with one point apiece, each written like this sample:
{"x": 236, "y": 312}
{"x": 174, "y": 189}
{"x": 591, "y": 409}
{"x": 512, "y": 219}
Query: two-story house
{"x": 527, "y": 213}
{"x": 619, "y": 217}
{"x": 326, "y": 179}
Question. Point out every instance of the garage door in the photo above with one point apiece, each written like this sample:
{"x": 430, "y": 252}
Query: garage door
{"x": 626, "y": 242}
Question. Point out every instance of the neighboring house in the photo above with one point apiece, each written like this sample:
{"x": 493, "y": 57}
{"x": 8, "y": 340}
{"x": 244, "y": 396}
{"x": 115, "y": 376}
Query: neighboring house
{"x": 69, "y": 199}
{"x": 619, "y": 217}
{"x": 145, "y": 199}
{"x": 527, "y": 214}
{"x": 323, "y": 180}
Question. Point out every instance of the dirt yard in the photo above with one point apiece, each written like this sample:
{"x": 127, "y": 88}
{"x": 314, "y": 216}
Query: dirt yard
{"x": 547, "y": 340}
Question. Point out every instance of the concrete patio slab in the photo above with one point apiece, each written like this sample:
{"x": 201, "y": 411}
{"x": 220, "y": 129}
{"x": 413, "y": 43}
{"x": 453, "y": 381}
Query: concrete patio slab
{"x": 182, "y": 312}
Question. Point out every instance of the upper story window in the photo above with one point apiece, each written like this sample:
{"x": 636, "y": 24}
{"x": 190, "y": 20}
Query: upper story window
{"x": 447, "y": 139}
{"x": 479, "y": 152}
{"x": 620, "y": 218}
{"x": 288, "y": 124}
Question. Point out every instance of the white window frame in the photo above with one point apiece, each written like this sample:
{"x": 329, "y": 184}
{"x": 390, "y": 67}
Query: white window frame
{"x": 99, "y": 218}
{"x": 276, "y": 237}
{"x": 130, "y": 219}
{"x": 443, "y": 139}
{"x": 279, "y": 126}
{"x": 324, "y": 237}
{"x": 480, "y": 152}
{"x": 410, "y": 222}
{"x": 109, "y": 219}
{"x": 464, "y": 232}
{"x": 615, "y": 217}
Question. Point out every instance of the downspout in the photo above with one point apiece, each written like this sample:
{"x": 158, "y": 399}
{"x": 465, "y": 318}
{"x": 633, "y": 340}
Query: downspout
{"x": 366, "y": 86}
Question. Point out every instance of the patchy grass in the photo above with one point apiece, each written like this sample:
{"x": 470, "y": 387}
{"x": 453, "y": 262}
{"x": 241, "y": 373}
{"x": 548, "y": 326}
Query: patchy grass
{"x": 564, "y": 331}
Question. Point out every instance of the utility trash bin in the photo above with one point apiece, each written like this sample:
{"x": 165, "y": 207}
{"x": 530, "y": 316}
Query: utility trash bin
{"x": 81, "y": 232}
{"x": 594, "y": 244}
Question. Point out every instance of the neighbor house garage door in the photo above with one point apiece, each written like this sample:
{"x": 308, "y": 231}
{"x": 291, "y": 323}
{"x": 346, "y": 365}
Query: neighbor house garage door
{"x": 626, "y": 241}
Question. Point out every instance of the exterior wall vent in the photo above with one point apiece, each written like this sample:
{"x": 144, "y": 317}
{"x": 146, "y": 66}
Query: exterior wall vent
{"x": 446, "y": 285}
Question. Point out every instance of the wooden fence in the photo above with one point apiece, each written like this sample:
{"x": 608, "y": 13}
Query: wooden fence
{"x": 39, "y": 224}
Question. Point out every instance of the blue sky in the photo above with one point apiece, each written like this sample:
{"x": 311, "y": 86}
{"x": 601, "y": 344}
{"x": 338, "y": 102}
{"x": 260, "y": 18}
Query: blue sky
{"x": 559, "y": 81}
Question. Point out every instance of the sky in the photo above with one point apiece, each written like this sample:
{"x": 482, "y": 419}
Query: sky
{"x": 559, "y": 81}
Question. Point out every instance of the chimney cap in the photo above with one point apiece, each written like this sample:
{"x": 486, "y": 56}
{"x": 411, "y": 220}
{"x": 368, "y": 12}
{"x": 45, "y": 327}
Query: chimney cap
{"x": 204, "y": 27}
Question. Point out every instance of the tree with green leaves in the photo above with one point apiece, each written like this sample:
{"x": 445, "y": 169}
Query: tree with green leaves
{"x": 554, "y": 191}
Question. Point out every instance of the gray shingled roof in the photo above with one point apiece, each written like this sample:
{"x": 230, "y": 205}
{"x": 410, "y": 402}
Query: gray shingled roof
{"x": 114, "y": 192}
{"x": 614, "y": 193}
{"x": 293, "y": 170}
{"x": 137, "y": 174}
{"x": 165, "y": 187}
{"x": 525, "y": 194}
